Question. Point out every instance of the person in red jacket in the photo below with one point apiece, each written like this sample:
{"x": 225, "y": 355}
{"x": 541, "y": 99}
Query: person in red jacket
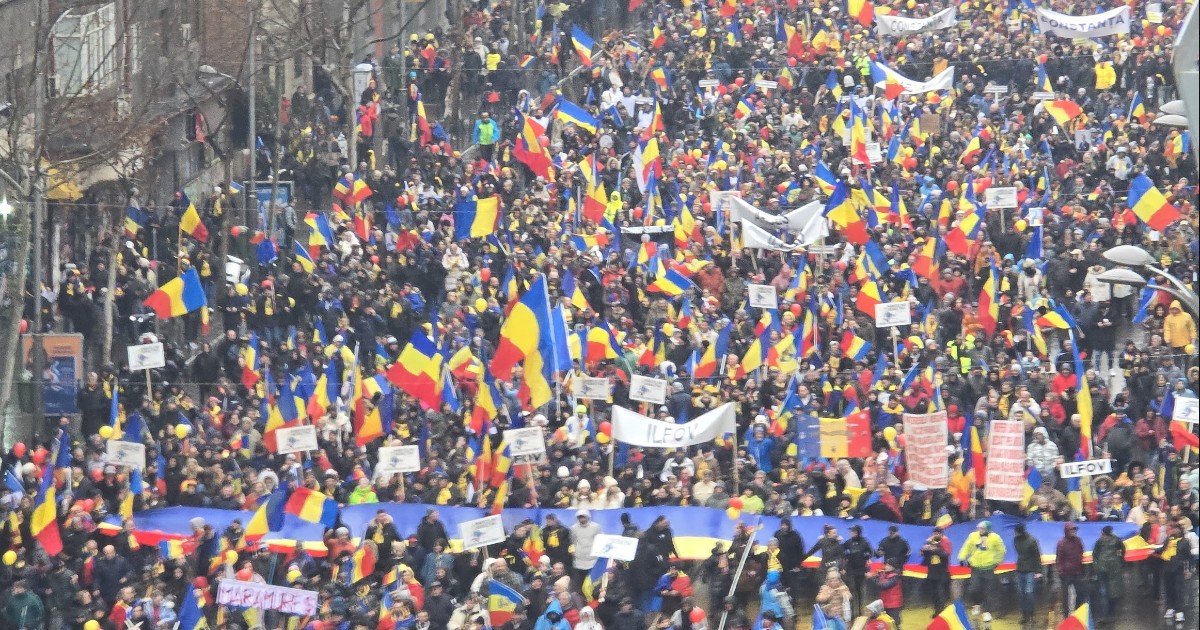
{"x": 891, "y": 589}
{"x": 1069, "y": 563}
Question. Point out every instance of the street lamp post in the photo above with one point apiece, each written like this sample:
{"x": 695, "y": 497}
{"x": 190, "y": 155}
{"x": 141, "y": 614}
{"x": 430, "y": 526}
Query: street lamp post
{"x": 1133, "y": 256}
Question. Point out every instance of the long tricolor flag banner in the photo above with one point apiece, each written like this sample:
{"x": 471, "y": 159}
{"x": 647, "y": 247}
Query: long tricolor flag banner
{"x": 1114, "y": 22}
{"x": 896, "y": 26}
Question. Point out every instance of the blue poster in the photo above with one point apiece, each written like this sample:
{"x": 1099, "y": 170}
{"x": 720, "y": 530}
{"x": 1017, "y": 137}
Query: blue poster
{"x": 62, "y": 355}
{"x": 808, "y": 438}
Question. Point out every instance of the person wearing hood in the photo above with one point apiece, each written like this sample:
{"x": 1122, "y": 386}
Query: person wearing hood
{"x": 878, "y": 617}
{"x": 1179, "y": 329}
{"x": 552, "y": 619}
{"x": 775, "y": 599}
{"x": 1042, "y": 453}
{"x": 1068, "y": 562}
{"x": 587, "y": 620}
{"x": 1029, "y": 569}
{"x": 583, "y": 535}
{"x": 1108, "y": 560}
{"x": 982, "y": 552}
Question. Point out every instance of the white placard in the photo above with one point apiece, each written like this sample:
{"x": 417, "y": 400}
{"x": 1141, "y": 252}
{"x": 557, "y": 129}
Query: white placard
{"x": 646, "y": 389}
{"x": 131, "y": 454}
{"x": 891, "y": 314}
{"x": 926, "y": 449}
{"x": 1000, "y": 197}
{"x": 147, "y": 356}
{"x": 1043, "y": 96}
{"x": 290, "y": 601}
{"x": 708, "y": 83}
{"x": 296, "y": 439}
{"x": 527, "y": 443}
{"x": 1005, "y": 472}
{"x": 631, "y": 427}
{"x": 1086, "y": 468}
{"x": 1154, "y": 12}
{"x": 616, "y": 547}
{"x": 482, "y": 532}
{"x": 996, "y": 89}
{"x": 766, "y": 85}
{"x": 763, "y": 296}
{"x": 874, "y": 152}
{"x": 944, "y": 80}
{"x": 591, "y": 388}
{"x": 1186, "y": 410}
{"x": 898, "y": 26}
{"x": 399, "y": 459}
{"x": 233, "y": 269}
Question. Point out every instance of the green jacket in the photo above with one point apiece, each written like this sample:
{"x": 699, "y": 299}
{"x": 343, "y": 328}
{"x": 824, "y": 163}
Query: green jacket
{"x": 1108, "y": 560}
{"x": 24, "y": 611}
{"x": 982, "y": 552}
{"x": 1029, "y": 553}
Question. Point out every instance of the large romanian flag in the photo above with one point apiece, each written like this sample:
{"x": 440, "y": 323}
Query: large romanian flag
{"x": 1150, "y": 205}
{"x": 953, "y": 618}
{"x": 44, "y": 520}
{"x": 178, "y": 297}
{"x": 525, "y": 337}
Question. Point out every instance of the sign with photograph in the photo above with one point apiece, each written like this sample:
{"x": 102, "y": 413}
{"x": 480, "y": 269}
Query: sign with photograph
{"x": 147, "y": 356}
{"x": 296, "y": 439}
{"x": 482, "y": 532}
{"x": 399, "y": 459}
{"x": 646, "y": 389}
{"x": 763, "y": 296}
{"x": 892, "y": 314}
{"x": 131, "y": 454}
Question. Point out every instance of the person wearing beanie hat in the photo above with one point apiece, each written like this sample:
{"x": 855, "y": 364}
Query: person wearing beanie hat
{"x": 982, "y": 552}
{"x": 879, "y": 617}
{"x": 1068, "y": 561}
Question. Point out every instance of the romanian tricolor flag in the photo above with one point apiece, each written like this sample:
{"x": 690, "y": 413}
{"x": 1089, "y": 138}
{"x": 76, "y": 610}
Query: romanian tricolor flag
{"x": 989, "y": 300}
{"x": 1081, "y": 619}
{"x": 1137, "y": 109}
{"x": 312, "y": 506}
{"x": 301, "y": 255}
{"x": 744, "y": 109}
{"x": 953, "y": 618}
{"x": 569, "y": 112}
{"x": 869, "y": 296}
{"x": 584, "y": 45}
{"x": 974, "y": 147}
{"x": 854, "y": 346}
{"x": 190, "y": 222}
{"x": 1043, "y": 80}
{"x": 861, "y": 10}
{"x": 418, "y": 370}
{"x": 528, "y": 149}
{"x": 1083, "y": 406}
{"x": 525, "y": 336}
{"x": 502, "y": 603}
{"x": 269, "y": 515}
{"x": 669, "y": 282}
{"x": 43, "y": 522}
{"x": 178, "y": 297}
{"x": 1150, "y": 205}
{"x": 841, "y": 211}
{"x": 476, "y": 218}
{"x": 601, "y": 344}
{"x": 1063, "y": 111}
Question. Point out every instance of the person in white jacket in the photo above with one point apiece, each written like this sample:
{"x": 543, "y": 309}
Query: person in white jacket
{"x": 583, "y": 535}
{"x": 1043, "y": 454}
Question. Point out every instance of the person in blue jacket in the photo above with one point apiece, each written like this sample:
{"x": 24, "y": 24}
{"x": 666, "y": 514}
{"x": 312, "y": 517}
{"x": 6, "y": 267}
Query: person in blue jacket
{"x": 759, "y": 444}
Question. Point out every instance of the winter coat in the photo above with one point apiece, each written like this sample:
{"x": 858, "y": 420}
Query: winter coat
{"x": 982, "y": 552}
{"x": 1069, "y": 556}
{"x": 1029, "y": 553}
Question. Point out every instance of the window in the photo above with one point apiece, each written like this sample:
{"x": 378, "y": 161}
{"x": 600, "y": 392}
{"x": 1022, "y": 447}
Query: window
{"x": 86, "y": 57}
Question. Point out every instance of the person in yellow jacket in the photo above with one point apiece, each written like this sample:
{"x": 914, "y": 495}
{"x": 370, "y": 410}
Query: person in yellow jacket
{"x": 983, "y": 551}
{"x": 1179, "y": 329}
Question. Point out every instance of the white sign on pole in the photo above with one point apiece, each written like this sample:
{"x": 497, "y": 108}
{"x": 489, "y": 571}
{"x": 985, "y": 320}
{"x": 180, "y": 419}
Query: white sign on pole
{"x": 482, "y": 532}
{"x": 616, "y": 547}
{"x": 399, "y": 459}
{"x": 1154, "y": 12}
{"x": 131, "y": 454}
{"x": 590, "y": 388}
{"x": 290, "y": 601}
{"x": 147, "y": 356}
{"x": 708, "y": 83}
{"x": 874, "y": 152}
{"x": 926, "y": 449}
{"x": 1043, "y": 96}
{"x": 527, "y": 443}
{"x": 233, "y": 269}
{"x": 296, "y": 439}
{"x": 1005, "y": 478}
{"x": 1070, "y": 470}
{"x": 1186, "y": 410}
{"x": 765, "y": 84}
{"x": 646, "y": 389}
{"x": 891, "y": 314}
{"x": 996, "y": 89}
{"x": 630, "y": 427}
{"x": 1000, "y": 197}
{"x": 763, "y": 296}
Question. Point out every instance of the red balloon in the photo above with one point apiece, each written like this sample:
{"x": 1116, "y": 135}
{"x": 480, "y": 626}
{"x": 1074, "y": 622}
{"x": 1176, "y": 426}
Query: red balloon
{"x": 606, "y": 428}
{"x": 235, "y": 231}
{"x": 637, "y": 213}
{"x": 796, "y": 310}
{"x": 739, "y": 81}
{"x": 245, "y": 575}
{"x": 697, "y": 615}
{"x": 24, "y": 326}
{"x": 736, "y": 503}
{"x": 910, "y": 163}
{"x": 87, "y": 504}
{"x": 39, "y": 457}
{"x": 485, "y": 274}
{"x": 19, "y": 449}
{"x": 543, "y": 140}
{"x": 951, "y": 186}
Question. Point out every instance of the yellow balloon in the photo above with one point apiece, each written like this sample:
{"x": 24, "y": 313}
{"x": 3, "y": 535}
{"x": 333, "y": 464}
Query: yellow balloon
{"x": 911, "y": 4}
{"x": 908, "y": 151}
{"x": 92, "y": 624}
{"x": 231, "y": 556}
{"x": 733, "y": 513}
{"x": 603, "y": 439}
{"x": 106, "y": 432}
{"x": 668, "y": 329}
{"x": 480, "y": 305}
{"x": 241, "y": 289}
{"x": 182, "y": 431}
{"x": 889, "y": 433}
{"x": 1020, "y": 225}
{"x": 10, "y": 558}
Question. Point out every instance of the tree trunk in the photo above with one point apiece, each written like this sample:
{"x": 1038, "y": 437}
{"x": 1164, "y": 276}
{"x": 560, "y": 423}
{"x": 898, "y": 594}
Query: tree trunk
{"x": 106, "y": 319}
{"x": 11, "y": 311}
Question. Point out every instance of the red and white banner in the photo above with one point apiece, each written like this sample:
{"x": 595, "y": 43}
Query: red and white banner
{"x": 925, "y": 451}
{"x": 264, "y": 596}
{"x": 1005, "y": 479}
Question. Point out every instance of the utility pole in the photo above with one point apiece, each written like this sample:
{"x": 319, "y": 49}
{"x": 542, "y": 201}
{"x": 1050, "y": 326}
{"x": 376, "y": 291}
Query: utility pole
{"x": 252, "y": 141}
{"x": 36, "y": 349}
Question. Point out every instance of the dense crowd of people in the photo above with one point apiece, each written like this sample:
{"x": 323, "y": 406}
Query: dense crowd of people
{"x": 606, "y": 182}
